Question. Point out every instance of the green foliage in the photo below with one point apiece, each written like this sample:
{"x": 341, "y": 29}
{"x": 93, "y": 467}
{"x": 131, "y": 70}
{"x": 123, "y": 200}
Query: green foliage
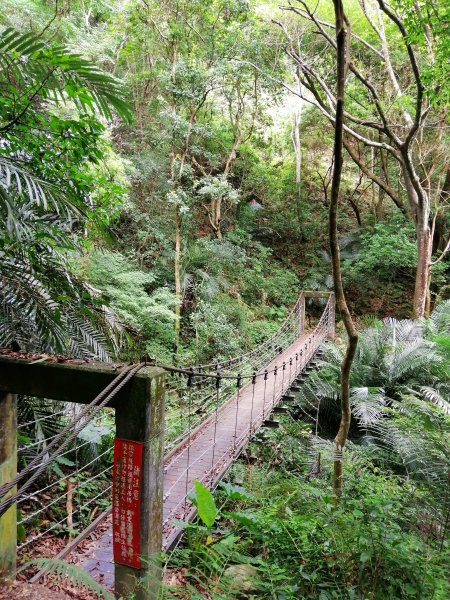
{"x": 304, "y": 545}
{"x": 388, "y": 251}
{"x": 206, "y": 507}
{"x": 132, "y": 295}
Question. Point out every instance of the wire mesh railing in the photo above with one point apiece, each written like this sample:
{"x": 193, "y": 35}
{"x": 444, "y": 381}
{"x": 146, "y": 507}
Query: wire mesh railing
{"x": 71, "y": 489}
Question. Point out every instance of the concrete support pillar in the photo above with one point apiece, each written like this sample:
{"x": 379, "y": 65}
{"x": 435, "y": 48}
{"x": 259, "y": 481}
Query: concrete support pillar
{"x": 8, "y": 470}
{"x": 141, "y": 419}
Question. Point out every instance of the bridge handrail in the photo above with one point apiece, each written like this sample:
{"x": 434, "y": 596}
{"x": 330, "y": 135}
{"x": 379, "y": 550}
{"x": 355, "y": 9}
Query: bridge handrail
{"x": 275, "y": 337}
{"x": 267, "y": 342}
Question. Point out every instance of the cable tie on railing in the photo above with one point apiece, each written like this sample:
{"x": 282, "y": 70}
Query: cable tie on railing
{"x": 265, "y": 374}
{"x": 239, "y": 381}
{"x": 275, "y": 370}
{"x": 290, "y": 362}
{"x": 254, "y": 378}
{"x": 284, "y": 366}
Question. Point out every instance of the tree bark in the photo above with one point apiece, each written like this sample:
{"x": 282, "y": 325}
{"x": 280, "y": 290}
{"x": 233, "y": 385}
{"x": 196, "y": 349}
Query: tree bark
{"x": 342, "y": 63}
{"x": 423, "y": 272}
{"x": 178, "y": 290}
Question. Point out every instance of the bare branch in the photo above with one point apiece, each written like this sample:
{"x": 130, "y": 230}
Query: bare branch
{"x": 332, "y": 26}
{"x": 371, "y": 175}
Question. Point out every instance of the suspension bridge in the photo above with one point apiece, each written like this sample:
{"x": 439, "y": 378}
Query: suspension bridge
{"x": 211, "y": 412}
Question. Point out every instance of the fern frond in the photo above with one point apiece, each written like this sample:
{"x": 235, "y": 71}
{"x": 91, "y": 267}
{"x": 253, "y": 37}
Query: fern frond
{"x": 75, "y": 574}
{"x": 434, "y": 396}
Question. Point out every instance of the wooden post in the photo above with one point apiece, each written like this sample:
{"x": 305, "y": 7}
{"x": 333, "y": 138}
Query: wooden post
{"x": 8, "y": 470}
{"x": 332, "y": 319}
{"x": 141, "y": 419}
{"x": 301, "y": 316}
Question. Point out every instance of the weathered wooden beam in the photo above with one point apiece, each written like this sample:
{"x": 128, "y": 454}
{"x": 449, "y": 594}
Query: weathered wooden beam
{"x": 301, "y": 315}
{"x": 68, "y": 382}
{"x": 8, "y": 470}
{"x": 139, "y": 415}
{"x": 315, "y": 294}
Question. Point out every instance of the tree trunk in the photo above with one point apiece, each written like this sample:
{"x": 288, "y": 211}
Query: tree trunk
{"x": 296, "y": 142}
{"x": 421, "y": 215}
{"x": 216, "y": 216}
{"x": 341, "y": 437}
{"x": 423, "y": 272}
{"x": 178, "y": 290}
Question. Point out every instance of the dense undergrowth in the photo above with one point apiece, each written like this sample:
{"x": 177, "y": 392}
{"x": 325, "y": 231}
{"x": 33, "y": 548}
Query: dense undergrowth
{"x": 376, "y": 544}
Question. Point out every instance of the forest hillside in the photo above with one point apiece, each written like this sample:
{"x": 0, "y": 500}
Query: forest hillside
{"x": 173, "y": 174}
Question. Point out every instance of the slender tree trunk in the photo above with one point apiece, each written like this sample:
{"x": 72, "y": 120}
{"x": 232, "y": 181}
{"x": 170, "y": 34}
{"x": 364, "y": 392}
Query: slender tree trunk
{"x": 421, "y": 215}
{"x": 423, "y": 272}
{"x": 216, "y": 211}
{"x": 297, "y": 147}
{"x": 178, "y": 288}
{"x": 216, "y": 203}
{"x": 341, "y": 437}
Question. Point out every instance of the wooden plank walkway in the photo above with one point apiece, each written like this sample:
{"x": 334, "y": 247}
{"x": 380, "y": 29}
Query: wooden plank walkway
{"x": 210, "y": 450}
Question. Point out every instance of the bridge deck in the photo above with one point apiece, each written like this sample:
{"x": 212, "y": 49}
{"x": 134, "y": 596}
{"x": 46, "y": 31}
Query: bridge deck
{"x": 208, "y": 453}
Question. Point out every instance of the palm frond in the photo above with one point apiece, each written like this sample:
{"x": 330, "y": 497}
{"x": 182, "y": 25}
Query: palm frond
{"x": 439, "y": 321}
{"x": 16, "y": 180}
{"x": 55, "y": 73}
{"x": 404, "y": 330}
{"x": 433, "y": 395}
{"x": 368, "y": 405}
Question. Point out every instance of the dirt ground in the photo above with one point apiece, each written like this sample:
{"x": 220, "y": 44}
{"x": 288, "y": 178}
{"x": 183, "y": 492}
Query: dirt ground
{"x": 20, "y": 590}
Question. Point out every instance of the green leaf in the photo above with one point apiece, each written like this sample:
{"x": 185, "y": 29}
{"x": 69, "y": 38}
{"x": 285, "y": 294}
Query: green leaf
{"x": 206, "y": 506}
{"x": 21, "y": 533}
{"x": 235, "y": 492}
{"x": 65, "y": 461}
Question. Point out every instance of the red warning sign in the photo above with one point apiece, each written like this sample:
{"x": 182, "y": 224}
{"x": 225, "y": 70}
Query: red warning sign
{"x": 127, "y": 502}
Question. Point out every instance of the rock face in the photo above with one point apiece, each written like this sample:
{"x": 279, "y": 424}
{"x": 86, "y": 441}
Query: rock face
{"x": 242, "y": 577}
{"x": 30, "y": 591}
